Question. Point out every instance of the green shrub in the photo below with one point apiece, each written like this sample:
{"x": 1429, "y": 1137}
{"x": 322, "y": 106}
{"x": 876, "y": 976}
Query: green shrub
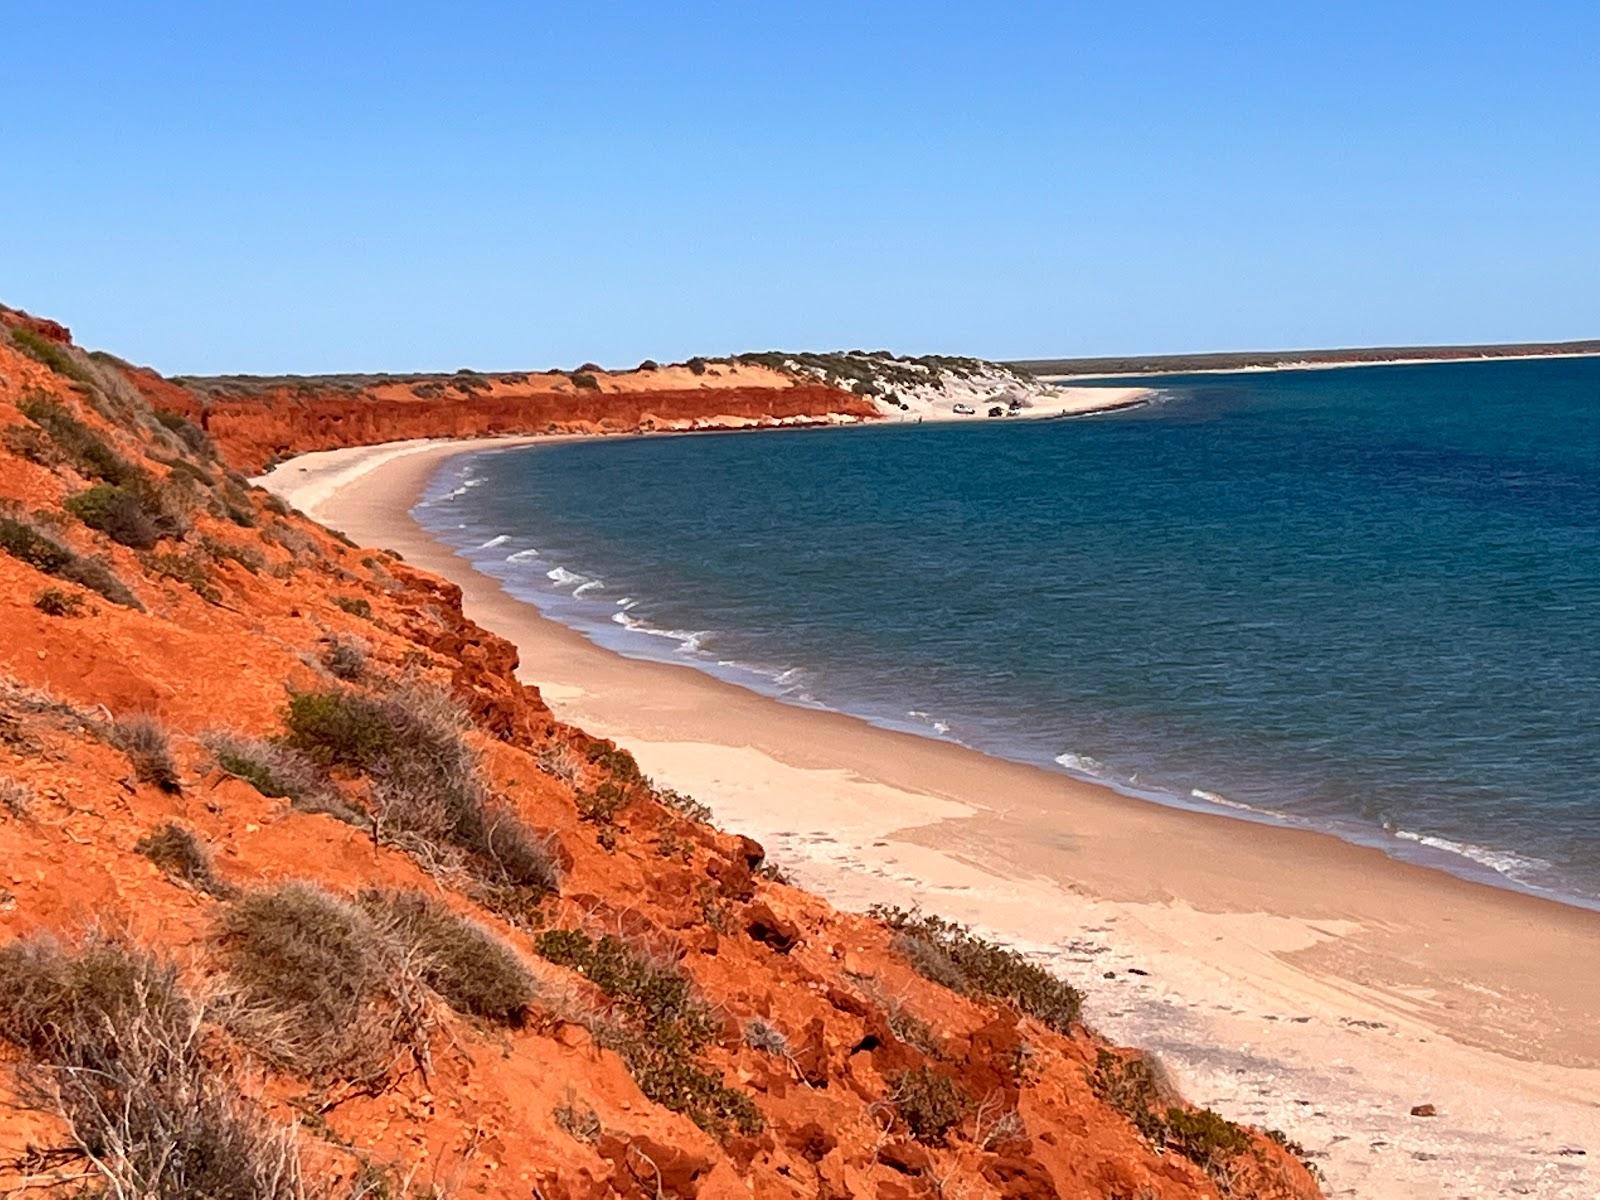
{"x": 190, "y": 434}
{"x": 54, "y": 602}
{"x": 80, "y": 445}
{"x": 113, "y": 1048}
{"x": 52, "y": 354}
{"x": 273, "y": 770}
{"x": 247, "y": 557}
{"x": 145, "y": 743}
{"x": 1205, "y": 1138}
{"x": 179, "y": 853}
{"x": 696, "y": 366}
{"x": 952, "y": 955}
{"x": 584, "y": 381}
{"x": 1137, "y": 1087}
{"x": 470, "y": 967}
{"x": 188, "y": 569}
{"x": 120, "y": 514}
{"x": 315, "y": 987}
{"x": 428, "y": 795}
{"x": 928, "y": 1102}
{"x": 664, "y": 1027}
{"x": 27, "y": 542}
{"x": 355, "y": 606}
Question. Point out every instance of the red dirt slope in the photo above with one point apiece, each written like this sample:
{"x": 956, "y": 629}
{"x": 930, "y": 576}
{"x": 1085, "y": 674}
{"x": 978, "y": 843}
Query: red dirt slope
{"x": 638, "y": 1008}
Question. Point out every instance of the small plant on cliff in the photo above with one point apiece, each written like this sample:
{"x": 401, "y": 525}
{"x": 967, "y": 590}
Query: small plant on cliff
{"x": 53, "y": 602}
{"x": 24, "y": 540}
{"x": 584, "y": 381}
{"x": 53, "y": 355}
{"x": 121, "y": 514}
{"x": 582, "y": 1124}
{"x": 189, "y": 569}
{"x": 273, "y": 770}
{"x": 929, "y": 1103}
{"x": 80, "y": 445}
{"x": 470, "y": 967}
{"x": 180, "y": 854}
{"x": 344, "y": 657}
{"x": 1205, "y": 1138}
{"x": 145, "y": 743}
{"x": 1137, "y": 1087}
{"x": 316, "y": 988}
{"x": 356, "y": 606}
{"x": 952, "y": 955}
{"x": 113, "y": 1048}
{"x": 15, "y": 798}
{"x": 428, "y": 795}
{"x": 664, "y": 1027}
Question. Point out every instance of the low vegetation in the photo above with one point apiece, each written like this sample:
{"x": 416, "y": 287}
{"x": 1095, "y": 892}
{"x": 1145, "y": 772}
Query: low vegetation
{"x": 928, "y": 1102}
{"x": 470, "y": 967}
{"x": 427, "y": 795}
{"x": 344, "y": 657}
{"x": 127, "y": 516}
{"x": 952, "y": 955}
{"x": 143, "y": 739}
{"x": 316, "y": 988}
{"x": 662, "y": 1026}
{"x": 179, "y": 853}
{"x": 1136, "y": 1086}
{"x": 16, "y": 799}
{"x": 28, "y": 541}
{"x": 356, "y": 606}
{"x": 112, "y": 1047}
{"x": 54, "y": 602}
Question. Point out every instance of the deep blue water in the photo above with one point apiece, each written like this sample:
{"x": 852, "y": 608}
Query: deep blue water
{"x": 1366, "y": 599}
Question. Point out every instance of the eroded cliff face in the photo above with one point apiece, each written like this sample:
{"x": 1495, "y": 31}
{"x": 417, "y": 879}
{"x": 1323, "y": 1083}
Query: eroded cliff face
{"x": 521, "y": 970}
{"x": 256, "y": 422}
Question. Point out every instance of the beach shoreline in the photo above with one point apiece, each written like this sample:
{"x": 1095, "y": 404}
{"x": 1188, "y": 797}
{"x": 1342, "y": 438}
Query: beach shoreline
{"x": 1289, "y": 978}
{"x": 1310, "y": 365}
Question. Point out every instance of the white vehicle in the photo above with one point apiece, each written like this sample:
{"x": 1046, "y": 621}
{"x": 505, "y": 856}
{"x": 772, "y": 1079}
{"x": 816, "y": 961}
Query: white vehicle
{"x": 964, "y": 410}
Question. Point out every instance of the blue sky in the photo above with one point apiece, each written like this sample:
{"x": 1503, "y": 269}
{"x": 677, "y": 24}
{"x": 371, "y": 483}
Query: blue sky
{"x": 404, "y": 187}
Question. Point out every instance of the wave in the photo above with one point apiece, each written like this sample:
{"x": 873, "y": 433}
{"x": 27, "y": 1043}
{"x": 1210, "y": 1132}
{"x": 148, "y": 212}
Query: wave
{"x": 523, "y": 555}
{"x": 1221, "y": 801}
{"x": 1081, "y": 763}
{"x": 562, "y": 577}
{"x": 588, "y": 585}
{"x": 498, "y": 540}
{"x": 1517, "y": 867}
{"x": 689, "y": 640}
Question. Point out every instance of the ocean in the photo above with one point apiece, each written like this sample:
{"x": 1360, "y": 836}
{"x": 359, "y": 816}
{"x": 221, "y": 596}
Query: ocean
{"x": 1361, "y": 600}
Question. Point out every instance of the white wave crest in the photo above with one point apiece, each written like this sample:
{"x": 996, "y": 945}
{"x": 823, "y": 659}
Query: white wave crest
{"x": 523, "y": 555}
{"x": 562, "y": 577}
{"x": 497, "y": 540}
{"x": 587, "y": 585}
{"x": 1080, "y": 763}
{"x": 1513, "y": 866}
{"x": 689, "y": 640}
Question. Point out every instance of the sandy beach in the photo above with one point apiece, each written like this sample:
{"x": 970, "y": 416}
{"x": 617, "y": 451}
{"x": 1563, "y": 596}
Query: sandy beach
{"x": 1287, "y": 978}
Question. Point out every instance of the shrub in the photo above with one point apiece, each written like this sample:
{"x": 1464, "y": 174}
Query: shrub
{"x": 114, "y": 1049}
{"x": 1137, "y": 1087}
{"x": 120, "y": 514}
{"x": 355, "y": 606}
{"x": 664, "y": 1027}
{"x": 315, "y": 987}
{"x": 190, "y": 434}
{"x": 179, "y": 853}
{"x": 696, "y": 365}
{"x": 470, "y": 967}
{"x": 928, "y": 1102}
{"x": 685, "y": 805}
{"x": 765, "y": 1037}
{"x": 56, "y": 603}
{"x": 581, "y": 1124}
{"x": 1205, "y": 1138}
{"x": 274, "y": 771}
{"x": 80, "y": 445}
{"x": 648, "y": 364}
{"x": 53, "y": 355}
{"x": 25, "y": 541}
{"x": 221, "y": 551}
{"x": 427, "y": 792}
{"x": 952, "y": 955}
{"x": 188, "y": 569}
{"x": 15, "y": 798}
{"x": 344, "y": 657}
{"x": 584, "y": 381}
{"x": 145, "y": 743}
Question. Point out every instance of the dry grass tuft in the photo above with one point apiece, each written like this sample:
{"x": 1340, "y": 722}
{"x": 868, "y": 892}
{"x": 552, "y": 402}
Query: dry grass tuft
{"x": 316, "y": 988}
{"x": 113, "y": 1047}
{"x": 179, "y": 853}
{"x": 470, "y": 967}
{"x": 143, "y": 739}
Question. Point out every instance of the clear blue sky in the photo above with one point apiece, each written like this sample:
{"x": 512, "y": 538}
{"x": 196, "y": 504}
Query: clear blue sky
{"x": 405, "y": 186}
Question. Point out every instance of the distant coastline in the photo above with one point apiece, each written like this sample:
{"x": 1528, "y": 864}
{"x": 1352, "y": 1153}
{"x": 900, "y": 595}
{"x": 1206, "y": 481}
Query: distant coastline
{"x": 1223, "y": 362}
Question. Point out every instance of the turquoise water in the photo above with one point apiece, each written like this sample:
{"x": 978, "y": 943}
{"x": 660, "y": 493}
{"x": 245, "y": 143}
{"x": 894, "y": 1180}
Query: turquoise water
{"x": 1364, "y": 600}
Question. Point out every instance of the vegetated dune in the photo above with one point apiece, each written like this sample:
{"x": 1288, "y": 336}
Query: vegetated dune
{"x": 306, "y": 895}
